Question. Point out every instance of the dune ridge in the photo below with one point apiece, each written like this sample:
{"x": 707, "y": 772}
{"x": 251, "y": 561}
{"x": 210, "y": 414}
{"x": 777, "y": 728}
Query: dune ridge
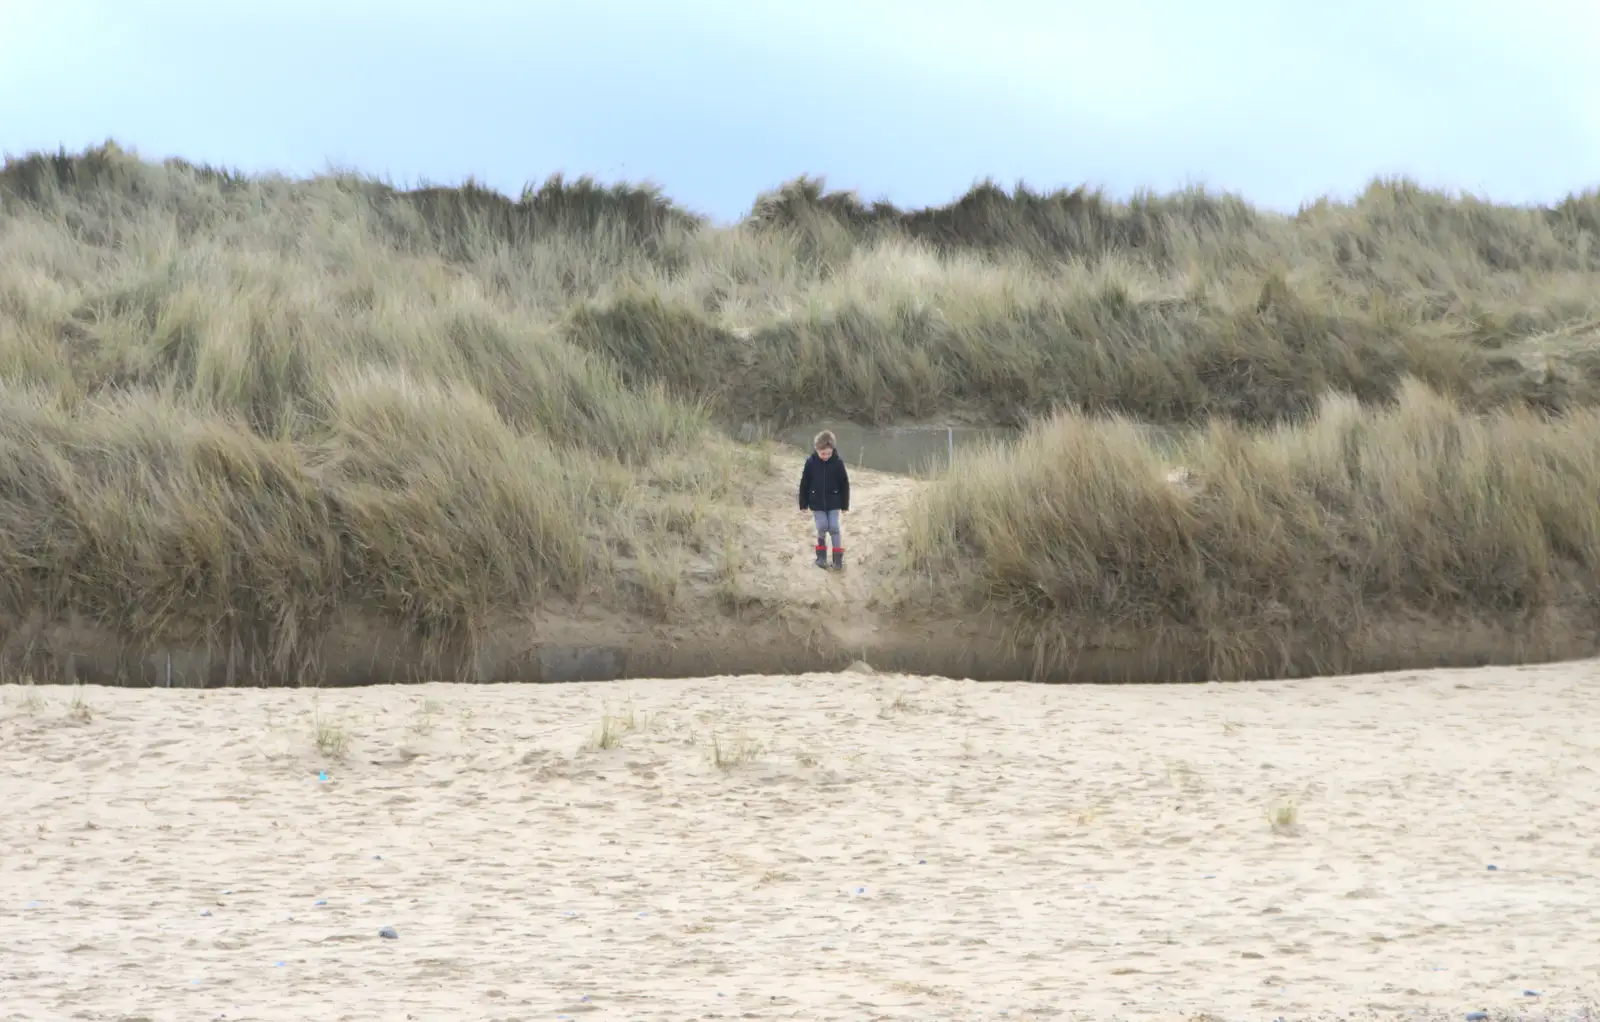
{"x": 266, "y": 429}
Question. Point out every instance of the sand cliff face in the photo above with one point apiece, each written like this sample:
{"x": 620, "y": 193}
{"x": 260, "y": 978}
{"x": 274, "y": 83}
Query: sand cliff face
{"x": 777, "y": 614}
{"x": 810, "y": 847}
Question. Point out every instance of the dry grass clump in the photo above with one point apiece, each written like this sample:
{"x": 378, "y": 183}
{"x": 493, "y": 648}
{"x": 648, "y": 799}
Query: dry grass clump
{"x": 614, "y": 727}
{"x": 729, "y": 753}
{"x": 330, "y": 736}
{"x": 230, "y": 412}
{"x": 1299, "y": 536}
{"x": 1283, "y": 816}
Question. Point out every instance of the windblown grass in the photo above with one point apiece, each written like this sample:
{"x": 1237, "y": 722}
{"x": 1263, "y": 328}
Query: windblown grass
{"x": 234, "y": 408}
{"x": 1300, "y": 536}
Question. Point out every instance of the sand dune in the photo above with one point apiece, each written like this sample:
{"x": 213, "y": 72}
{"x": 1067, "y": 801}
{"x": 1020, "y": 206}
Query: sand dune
{"x": 870, "y": 848}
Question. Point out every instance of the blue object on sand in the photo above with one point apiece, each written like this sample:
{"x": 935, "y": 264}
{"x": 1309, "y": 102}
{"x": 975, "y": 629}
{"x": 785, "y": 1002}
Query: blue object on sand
{"x": 322, "y": 775}
{"x": 1477, "y": 1016}
{"x": 1493, "y": 868}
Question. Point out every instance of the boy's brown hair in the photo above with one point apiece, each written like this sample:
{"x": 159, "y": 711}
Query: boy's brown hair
{"x": 824, "y": 439}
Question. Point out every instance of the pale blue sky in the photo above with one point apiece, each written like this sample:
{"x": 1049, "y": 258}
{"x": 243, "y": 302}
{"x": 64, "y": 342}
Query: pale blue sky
{"x": 716, "y": 100}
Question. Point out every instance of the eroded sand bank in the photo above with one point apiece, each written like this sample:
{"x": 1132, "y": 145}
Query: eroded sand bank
{"x": 871, "y": 847}
{"x": 791, "y": 618}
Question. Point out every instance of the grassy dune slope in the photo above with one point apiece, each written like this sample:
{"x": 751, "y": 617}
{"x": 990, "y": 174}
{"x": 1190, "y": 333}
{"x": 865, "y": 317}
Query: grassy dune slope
{"x": 1308, "y": 542}
{"x": 234, "y": 408}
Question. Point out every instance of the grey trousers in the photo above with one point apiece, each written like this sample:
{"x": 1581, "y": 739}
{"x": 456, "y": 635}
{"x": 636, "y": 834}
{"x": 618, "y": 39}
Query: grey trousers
{"x": 828, "y": 522}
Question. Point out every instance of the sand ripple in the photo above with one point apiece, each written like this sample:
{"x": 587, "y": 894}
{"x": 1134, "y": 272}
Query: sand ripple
{"x": 870, "y": 848}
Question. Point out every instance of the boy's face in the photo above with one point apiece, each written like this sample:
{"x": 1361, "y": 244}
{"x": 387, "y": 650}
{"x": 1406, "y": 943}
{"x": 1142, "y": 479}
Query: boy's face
{"x": 824, "y": 453}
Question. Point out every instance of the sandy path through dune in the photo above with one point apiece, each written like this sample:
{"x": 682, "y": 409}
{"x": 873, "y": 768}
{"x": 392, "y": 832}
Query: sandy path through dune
{"x": 780, "y": 541}
{"x": 898, "y": 848}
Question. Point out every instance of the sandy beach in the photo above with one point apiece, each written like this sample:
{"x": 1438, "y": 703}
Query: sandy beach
{"x": 848, "y": 846}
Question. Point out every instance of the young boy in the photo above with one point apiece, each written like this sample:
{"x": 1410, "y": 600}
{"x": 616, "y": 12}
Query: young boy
{"x": 825, "y": 492}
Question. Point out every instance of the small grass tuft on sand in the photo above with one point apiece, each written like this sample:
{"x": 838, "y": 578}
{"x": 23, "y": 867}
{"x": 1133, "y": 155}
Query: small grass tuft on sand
{"x": 898, "y": 703}
{"x": 79, "y": 711}
{"x": 1283, "y": 816}
{"x": 730, "y": 753}
{"x": 32, "y": 699}
{"x": 426, "y": 717}
{"x": 330, "y": 737}
{"x": 613, "y": 727}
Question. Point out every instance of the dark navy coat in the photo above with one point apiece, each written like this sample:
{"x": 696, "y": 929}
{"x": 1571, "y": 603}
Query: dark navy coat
{"x": 825, "y": 485}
